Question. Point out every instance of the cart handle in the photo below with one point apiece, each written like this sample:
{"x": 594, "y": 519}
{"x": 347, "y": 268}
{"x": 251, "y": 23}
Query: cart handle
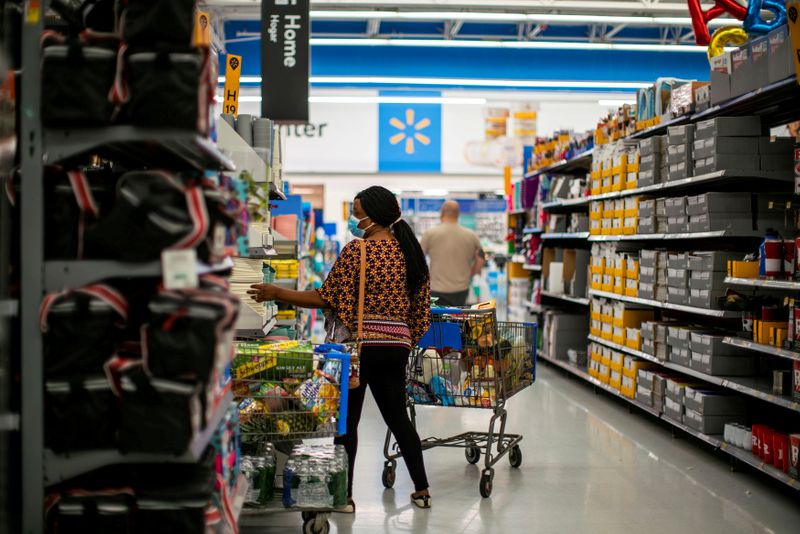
{"x": 344, "y": 389}
{"x": 446, "y": 311}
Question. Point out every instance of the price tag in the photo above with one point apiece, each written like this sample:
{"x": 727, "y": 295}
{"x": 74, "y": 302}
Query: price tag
{"x": 179, "y": 269}
{"x": 233, "y": 70}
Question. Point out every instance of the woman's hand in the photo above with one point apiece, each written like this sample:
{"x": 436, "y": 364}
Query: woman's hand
{"x": 263, "y": 292}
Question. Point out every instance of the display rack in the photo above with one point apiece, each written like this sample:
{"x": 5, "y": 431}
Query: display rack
{"x": 566, "y": 298}
{"x": 721, "y": 314}
{"x": 744, "y": 456}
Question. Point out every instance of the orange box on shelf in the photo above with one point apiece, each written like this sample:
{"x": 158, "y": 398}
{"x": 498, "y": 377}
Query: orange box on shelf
{"x": 743, "y": 269}
{"x": 608, "y": 332}
{"x": 628, "y": 387}
{"x": 615, "y": 379}
{"x": 777, "y": 336}
{"x": 616, "y": 361}
{"x": 604, "y": 374}
{"x": 618, "y": 337}
{"x": 763, "y": 330}
{"x": 625, "y": 317}
{"x": 632, "y": 365}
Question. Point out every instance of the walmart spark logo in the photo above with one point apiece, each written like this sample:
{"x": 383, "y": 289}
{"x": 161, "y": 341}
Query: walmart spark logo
{"x": 410, "y": 131}
{"x": 410, "y": 135}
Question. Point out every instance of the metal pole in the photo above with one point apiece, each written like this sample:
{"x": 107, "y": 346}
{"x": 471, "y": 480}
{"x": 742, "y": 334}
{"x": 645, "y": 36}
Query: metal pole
{"x": 32, "y": 236}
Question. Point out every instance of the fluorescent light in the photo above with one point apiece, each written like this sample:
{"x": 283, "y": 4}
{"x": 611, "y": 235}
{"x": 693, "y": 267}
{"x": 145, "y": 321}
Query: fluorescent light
{"x": 462, "y": 101}
{"x": 614, "y": 103}
{"x": 468, "y": 16}
{"x": 527, "y": 45}
{"x": 435, "y": 192}
{"x": 464, "y": 82}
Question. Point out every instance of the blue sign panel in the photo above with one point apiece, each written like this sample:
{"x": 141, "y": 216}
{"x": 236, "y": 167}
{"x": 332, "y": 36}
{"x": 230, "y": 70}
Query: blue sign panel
{"x": 410, "y": 136}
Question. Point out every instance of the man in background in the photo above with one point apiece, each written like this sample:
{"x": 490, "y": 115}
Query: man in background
{"x": 455, "y": 255}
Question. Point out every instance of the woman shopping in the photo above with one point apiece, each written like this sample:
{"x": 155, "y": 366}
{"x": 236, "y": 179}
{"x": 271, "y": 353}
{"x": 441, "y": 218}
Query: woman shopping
{"x": 396, "y": 313}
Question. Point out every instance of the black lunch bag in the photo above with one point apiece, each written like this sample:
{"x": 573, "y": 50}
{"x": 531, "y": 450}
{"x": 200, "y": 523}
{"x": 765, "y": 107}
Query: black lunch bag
{"x": 153, "y": 22}
{"x": 80, "y": 414}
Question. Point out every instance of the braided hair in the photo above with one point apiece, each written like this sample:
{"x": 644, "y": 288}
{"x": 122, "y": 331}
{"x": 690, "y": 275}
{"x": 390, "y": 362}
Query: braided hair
{"x": 381, "y": 206}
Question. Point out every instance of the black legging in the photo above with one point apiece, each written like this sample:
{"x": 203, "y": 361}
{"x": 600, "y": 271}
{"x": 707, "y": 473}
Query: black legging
{"x": 384, "y": 370}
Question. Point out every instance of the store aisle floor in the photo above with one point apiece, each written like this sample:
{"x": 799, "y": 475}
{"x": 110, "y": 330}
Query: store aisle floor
{"x": 588, "y": 466}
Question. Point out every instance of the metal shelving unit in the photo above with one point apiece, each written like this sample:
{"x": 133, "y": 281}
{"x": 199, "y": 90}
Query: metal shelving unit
{"x": 577, "y": 163}
{"x": 789, "y": 285}
{"x": 764, "y": 349}
{"x": 567, "y": 298}
{"x": 721, "y": 314}
{"x": 566, "y": 203}
{"x": 715, "y": 441}
{"x": 568, "y": 235}
{"x": 673, "y": 237}
{"x": 745, "y": 385}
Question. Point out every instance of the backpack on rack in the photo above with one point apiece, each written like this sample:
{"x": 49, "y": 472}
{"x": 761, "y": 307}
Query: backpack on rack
{"x": 156, "y": 415}
{"x": 78, "y": 75}
{"x": 80, "y": 414}
{"x": 154, "y": 211}
{"x": 189, "y": 333}
{"x": 156, "y": 22}
{"x": 81, "y": 328}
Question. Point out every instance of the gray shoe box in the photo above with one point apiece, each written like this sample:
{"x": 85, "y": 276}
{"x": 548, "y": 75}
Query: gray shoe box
{"x": 644, "y": 395}
{"x": 711, "y": 343}
{"x": 652, "y": 145}
{"x": 712, "y": 261}
{"x": 678, "y": 225}
{"x": 678, "y": 336}
{"x": 649, "y": 347}
{"x": 718, "y": 365}
{"x": 678, "y": 278}
{"x": 777, "y": 162}
{"x": 673, "y": 410}
{"x": 726, "y": 162}
{"x": 679, "y": 171}
{"x": 706, "y": 299}
{"x": 710, "y": 425}
{"x": 661, "y": 207}
{"x": 679, "y": 152}
{"x": 649, "y": 258}
{"x": 676, "y": 207}
{"x": 647, "y": 208}
{"x": 647, "y": 290}
{"x": 706, "y": 401}
{"x": 718, "y": 202}
{"x": 706, "y": 148}
{"x": 678, "y": 295}
{"x": 721, "y": 78}
{"x": 718, "y": 222}
{"x": 644, "y": 377}
{"x": 647, "y": 275}
{"x": 779, "y": 145}
{"x": 647, "y": 178}
{"x": 728, "y": 127}
{"x": 759, "y": 59}
{"x": 742, "y": 76}
{"x": 680, "y": 135}
{"x": 781, "y": 62}
{"x": 680, "y": 356}
{"x": 677, "y": 260}
{"x": 711, "y": 280}
{"x": 647, "y": 225}
{"x": 650, "y": 162}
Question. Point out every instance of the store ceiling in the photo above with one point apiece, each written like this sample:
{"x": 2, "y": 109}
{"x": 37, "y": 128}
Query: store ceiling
{"x": 559, "y": 21}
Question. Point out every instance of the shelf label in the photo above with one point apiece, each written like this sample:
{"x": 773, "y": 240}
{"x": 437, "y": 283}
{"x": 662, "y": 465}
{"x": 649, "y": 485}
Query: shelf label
{"x": 179, "y": 268}
{"x": 233, "y": 71}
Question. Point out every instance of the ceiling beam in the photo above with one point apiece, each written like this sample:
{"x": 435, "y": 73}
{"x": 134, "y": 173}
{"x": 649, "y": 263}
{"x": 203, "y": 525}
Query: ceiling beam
{"x": 451, "y": 28}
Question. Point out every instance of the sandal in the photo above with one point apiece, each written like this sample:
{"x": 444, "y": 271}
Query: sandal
{"x": 423, "y": 501}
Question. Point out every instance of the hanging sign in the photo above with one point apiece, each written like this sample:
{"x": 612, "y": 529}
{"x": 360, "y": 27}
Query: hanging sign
{"x": 285, "y": 60}
{"x": 233, "y": 69}
{"x": 202, "y": 29}
{"x": 793, "y": 14}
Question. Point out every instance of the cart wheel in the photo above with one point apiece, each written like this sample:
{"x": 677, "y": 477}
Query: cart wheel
{"x": 486, "y": 485}
{"x": 313, "y": 526}
{"x": 308, "y": 516}
{"x": 388, "y": 476}
{"x": 515, "y": 456}
{"x": 472, "y": 453}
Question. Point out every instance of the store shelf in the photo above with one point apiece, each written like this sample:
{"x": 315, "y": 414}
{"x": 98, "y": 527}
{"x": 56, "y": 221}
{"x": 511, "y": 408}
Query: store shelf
{"x": 765, "y": 284}
{"x": 581, "y": 162}
{"x": 9, "y": 422}
{"x": 752, "y": 387}
{"x": 565, "y": 203}
{"x": 136, "y": 146}
{"x": 673, "y": 237}
{"x": 722, "y": 314}
{"x": 572, "y": 235}
{"x": 764, "y": 349}
{"x": 59, "y": 275}
{"x": 9, "y": 308}
{"x": 250, "y": 324}
{"x": 531, "y": 231}
{"x": 60, "y": 467}
{"x": 729, "y": 176}
{"x": 763, "y": 101}
{"x": 531, "y": 267}
{"x": 660, "y": 129}
{"x": 286, "y": 322}
{"x": 567, "y": 298}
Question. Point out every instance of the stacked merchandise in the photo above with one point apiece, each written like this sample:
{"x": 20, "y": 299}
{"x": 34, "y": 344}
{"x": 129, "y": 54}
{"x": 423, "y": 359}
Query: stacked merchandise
{"x": 564, "y": 145}
{"x": 262, "y": 138}
{"x": 616, "y": 369}
{"x": 653, "y": 166}
{"x": 519, "y": 293}
{"x": 135, "y": 365}
{"x": 778, "y": 449}
{"x": 615, "y": 269}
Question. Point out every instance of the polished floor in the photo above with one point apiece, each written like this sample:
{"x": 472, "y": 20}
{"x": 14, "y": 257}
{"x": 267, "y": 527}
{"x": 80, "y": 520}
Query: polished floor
{"x": 588, "y": 466}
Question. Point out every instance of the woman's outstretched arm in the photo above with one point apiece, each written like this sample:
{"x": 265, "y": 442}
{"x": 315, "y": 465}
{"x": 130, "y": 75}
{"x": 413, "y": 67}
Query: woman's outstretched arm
{"x": 303, "y": 299}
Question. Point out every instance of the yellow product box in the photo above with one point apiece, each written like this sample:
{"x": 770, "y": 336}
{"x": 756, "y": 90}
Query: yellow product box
{"x": 633, "y": 338}
{"x": 619, "y": 208}
{"x": 595, "y": 227}
{"x": 596, "y": 328}
{"x": 763, "y": 331}
{"x": 631, "y": 366}
{"x": 593, "y": 369}
{"x": 777, "y": 336}
{"x": 597, "y": 188}
{"x": 606, "y": 187}
{"x": 594, "y": 213}
{"x": 618, "y": 335}
{"x": 619, "y": 266}
{"x": 608, "y": 268}
{"x": 633, "y": 181}
{"x": 617, "y": 361}
{"x": 631, "y": 288}
{"x": 607, "y": 227}
{"x": 596, "y": 314}
{"x": 626, "y": 317}
{"x": 598, "y": 264}
{"x": 597, "y": 281}
{"x": 597, "y": 354}
{"x": 743, "y": 269}
{"x": 607, "y": 332}
{"x": 632, "y": 269}
{"x": 616, "y": 226}
{"x": 619, "y": 285}
{"x": 630, "y": 226}
{"x": 615, "y": 379}
{"x": 617, "y": 183}
{"x": 607, "y": 312}
{"x": 604, "y": 374}
{"x": 628, "y": 387}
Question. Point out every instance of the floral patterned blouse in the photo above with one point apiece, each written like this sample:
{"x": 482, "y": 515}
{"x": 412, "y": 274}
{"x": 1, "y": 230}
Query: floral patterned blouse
{"x": 391, "y": 315}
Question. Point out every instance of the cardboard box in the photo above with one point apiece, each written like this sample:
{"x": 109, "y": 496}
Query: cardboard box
{"x": 628, "y": 387}
{"x": 678, "y": 295}
{"x": 678, "y": 277}
{"x": 728, "y": 127}
{"x": 633, "y": 365}
{"x": 711, "y": 261}
{"x": 680, "y": 356}
{"x": 741, "y": 72}
{"x": 721, "y": 365}
{"x": 743, "y": 269}
{"x": 781, "y": 62}
{"x": 722, "y": 222}
{"x": 759, "y": 58}
{"x": 676, "y": 207}
{"x": 645, "y": 377}
{"x": 651, "y": 145}
{"x": 713, "y": 343}
{"x": 704, "y": 298}
{"x": 680, "y": 135}
{"x": 678, "y": 225}
{"x": 796, "y": 381}
{"x": 782, "y": 146}
{"x": 675, "y": 388}
{"x": 726, "y": 162}
{"x": 721, "y": 78}
{"x": 706, "y": 148}
{"x": 647, "y": 225}
{"x": 673, "y": 410}
{"x": 711, "y": 401}
{"x": 709, "y": 424}
{"x": 679, "y": 171}
{"x": 776, "y": 162}
{"x": 645, "y": 396}
{"x": 617, "y": 361}
{"x": 709, "y": 280}
{"x": 647, "y": 208}
{"x": 679, "y": 335}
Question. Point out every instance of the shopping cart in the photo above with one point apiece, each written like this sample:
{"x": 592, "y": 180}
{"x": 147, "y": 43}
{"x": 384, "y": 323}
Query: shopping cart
{"x": 288, "y": 392}
{"x": 468, "y": 359}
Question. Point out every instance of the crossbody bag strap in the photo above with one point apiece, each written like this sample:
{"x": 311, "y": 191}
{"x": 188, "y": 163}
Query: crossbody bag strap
{"x": 362, "y": 282}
